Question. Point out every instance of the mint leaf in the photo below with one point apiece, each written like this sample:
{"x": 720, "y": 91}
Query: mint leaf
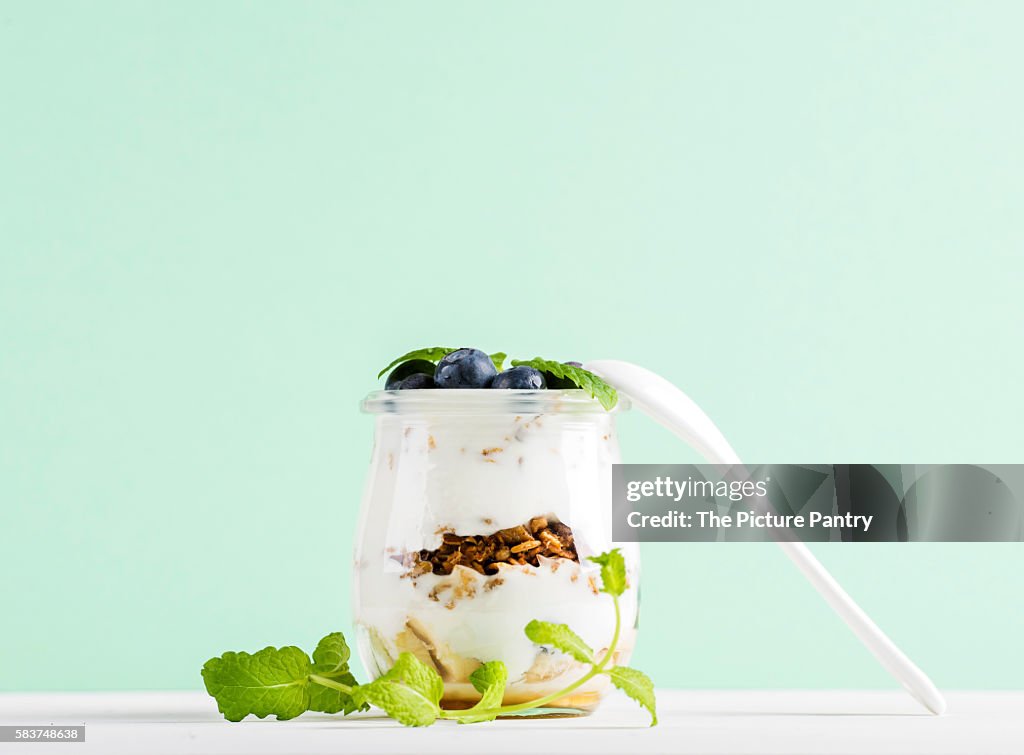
{"x": 410, "y": 692}
{"x": 331, "y": 655}
{"x": 403, "y": 704}
{"x": 269, "y": 682}
{"x": 431, "y": 354}
{"x": 411, "y": 671}
{"x": 330, "y": 661}
{"x": 489, "y": 680}
{"x": 613, "y": 572}
{"x": 435, "y": 354}
{"x": 580, "y": 377}
{"x": 560, "y": 637}
{"x": 637, "y": 685}
{"x": 330, "y": 700}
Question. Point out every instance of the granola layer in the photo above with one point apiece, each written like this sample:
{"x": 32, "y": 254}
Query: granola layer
{"x": 520, "y": 545}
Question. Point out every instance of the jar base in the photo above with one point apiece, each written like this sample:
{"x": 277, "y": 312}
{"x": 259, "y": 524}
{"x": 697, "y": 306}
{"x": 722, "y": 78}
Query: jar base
{"x": 571, "y": 706}
{"x": 547, "y": 712}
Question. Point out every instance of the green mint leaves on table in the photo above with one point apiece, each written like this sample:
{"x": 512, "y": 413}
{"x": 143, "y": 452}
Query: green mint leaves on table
{"x": 285, "y": 682}
{"x": 489, "y": 680}
{"x": 330, "y": 664}
{"x": 270, "y": 681}
{"x": 638, "y": 686}
{"x": 410, "y": 692}
{"x": 581, "y": 378}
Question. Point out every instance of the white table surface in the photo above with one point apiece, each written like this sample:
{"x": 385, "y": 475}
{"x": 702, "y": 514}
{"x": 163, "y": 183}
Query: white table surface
{"x": 690, "y": 721}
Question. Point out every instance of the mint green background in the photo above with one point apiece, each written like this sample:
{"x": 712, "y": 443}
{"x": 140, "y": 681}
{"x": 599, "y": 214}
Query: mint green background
{"x": 217, "y": 220}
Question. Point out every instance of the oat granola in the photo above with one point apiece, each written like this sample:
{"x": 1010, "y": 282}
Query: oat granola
{"x": 520, "y": 545}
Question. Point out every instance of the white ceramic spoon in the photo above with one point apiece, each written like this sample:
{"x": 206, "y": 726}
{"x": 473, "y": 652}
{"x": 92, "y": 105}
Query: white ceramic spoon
{"x": 669, "y": 406}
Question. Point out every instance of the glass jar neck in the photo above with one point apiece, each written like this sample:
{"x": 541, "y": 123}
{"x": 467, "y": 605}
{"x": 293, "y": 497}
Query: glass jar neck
{"x": 487, "y": 402}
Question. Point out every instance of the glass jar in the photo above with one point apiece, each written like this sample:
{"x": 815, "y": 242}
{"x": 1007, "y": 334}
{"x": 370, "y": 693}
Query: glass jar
{"x": 480, "y": 511}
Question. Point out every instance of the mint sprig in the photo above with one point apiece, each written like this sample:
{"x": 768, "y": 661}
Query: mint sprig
{"x": 635, "y": 684}
{"x": 613, "y": 572}
{"x": 560, "y": 637}
{"x": 638, "y": 686}
{"x": 585, "y": 379}
{"x": 410, "y": 692}
{"x": 435, "y": 354}
{"x": 284, "y": 681}
{"x": 431, "y": 354}
{"x": 489, "y": 680}
{"x": 330, "y": 663}
{"x": 271, "y": 682}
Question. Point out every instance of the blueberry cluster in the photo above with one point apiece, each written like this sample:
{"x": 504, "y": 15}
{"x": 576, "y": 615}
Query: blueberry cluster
{"x": 469, "y": 368}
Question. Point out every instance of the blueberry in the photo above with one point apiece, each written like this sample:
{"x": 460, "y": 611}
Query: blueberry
{"x": 558, "y": 383}
{"x": 405, "y": 369}
{"x": 521, "y": 377}
{"x": 415, "y": 381}
{"x": 465, "y": 368}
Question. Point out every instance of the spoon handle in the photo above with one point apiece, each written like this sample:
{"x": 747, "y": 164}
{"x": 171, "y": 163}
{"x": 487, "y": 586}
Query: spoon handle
{"x": 670, "y": 407}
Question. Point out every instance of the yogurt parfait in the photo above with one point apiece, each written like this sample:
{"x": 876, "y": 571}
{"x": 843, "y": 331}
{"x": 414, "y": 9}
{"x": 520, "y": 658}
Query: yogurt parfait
{"x": 487, "y": 493}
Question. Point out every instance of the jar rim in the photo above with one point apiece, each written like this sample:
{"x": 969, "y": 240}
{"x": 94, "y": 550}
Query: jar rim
{"x": 484, "y": 401}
